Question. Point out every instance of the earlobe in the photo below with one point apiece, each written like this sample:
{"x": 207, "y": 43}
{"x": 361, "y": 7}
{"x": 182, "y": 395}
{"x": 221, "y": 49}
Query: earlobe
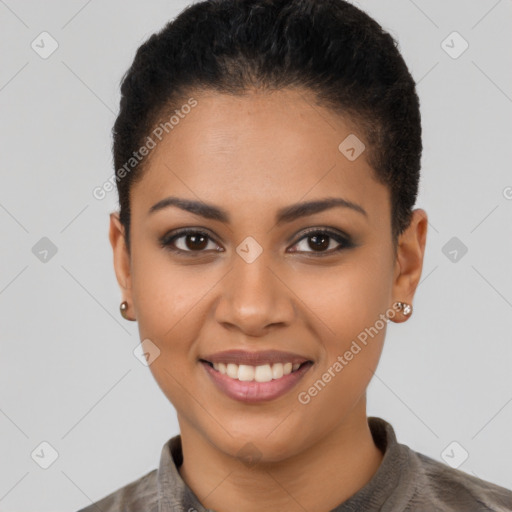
{"x": 409, "y": 263}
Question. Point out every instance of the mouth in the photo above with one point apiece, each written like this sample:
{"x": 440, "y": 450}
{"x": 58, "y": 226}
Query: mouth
{"x": 250, "y": 383}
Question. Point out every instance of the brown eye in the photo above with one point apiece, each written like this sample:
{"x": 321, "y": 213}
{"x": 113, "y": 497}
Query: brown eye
{"x": 188, "y": 241}
{"x": 196, "y": 241}
{"x": 319, "y": 241}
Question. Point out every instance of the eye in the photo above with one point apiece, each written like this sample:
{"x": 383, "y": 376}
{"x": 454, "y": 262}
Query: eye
{"x": 188, "y": 240}
{"x": 322, "y": 239}
{"x": 198, "y": 241}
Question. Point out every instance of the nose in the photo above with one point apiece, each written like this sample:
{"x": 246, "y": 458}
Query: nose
{"x": 254, "y": 298}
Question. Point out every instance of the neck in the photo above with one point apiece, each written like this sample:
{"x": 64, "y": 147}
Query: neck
{"x": 321, "y": 477}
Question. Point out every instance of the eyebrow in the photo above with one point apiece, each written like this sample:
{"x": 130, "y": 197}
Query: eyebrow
{"x": 286, "y": 214}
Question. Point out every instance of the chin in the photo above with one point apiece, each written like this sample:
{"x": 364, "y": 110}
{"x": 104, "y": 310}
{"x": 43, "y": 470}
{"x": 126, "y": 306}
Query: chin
{"x": 255, "y": 444}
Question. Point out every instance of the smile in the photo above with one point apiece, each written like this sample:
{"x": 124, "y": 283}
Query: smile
{"x": 255, "y": 383}
{"x": 261, "y": 373}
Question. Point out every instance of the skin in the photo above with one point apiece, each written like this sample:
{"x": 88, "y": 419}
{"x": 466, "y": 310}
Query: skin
{"x": 253, "y": 155}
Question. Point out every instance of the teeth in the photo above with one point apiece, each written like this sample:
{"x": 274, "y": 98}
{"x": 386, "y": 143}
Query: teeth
{"x": 246, "y": 372}
{"x": 231, "y": 370}
{"x": 262, "y": 373}
{"x": 277, "y": 371}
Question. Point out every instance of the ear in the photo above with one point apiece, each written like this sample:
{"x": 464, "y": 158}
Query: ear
{"x": 121, "y": 256}
{"x": 409, "y": 260}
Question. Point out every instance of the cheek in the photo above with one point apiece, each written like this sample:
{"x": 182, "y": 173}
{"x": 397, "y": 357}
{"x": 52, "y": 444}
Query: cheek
{"x": 165, "y": 294}
{"x": 347, "y": 298}
{"x": 349, "y": 302}
{"x": 170, "y": 303}
{"x": 167, "y": 299}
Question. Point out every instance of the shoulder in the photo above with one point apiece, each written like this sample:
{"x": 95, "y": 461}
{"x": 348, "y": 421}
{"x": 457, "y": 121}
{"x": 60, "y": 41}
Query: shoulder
{"x": 141, "y": 494}
{"x": 449, "y": 490}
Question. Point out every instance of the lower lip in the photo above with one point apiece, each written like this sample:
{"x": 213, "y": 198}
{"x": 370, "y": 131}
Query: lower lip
{"x": 252, "y": 391}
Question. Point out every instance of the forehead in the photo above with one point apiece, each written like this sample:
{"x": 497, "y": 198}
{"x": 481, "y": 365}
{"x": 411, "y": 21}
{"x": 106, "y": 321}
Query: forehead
{"x": 260, "y": 150}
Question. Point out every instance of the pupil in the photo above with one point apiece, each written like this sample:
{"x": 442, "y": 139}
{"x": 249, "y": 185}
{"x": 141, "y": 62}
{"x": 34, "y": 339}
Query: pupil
{"x": 323, "y": 244}
{"x": 194, "y": 238}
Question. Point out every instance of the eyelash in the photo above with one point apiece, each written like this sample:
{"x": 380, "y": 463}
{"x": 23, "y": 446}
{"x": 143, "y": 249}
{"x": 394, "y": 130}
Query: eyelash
{"x": 167, "y": 241}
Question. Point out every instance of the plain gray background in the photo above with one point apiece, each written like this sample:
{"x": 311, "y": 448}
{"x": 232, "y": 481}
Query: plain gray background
{"x": 68, "y": 375}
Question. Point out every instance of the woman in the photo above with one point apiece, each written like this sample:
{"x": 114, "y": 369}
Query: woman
{"x": 267, "y": 157}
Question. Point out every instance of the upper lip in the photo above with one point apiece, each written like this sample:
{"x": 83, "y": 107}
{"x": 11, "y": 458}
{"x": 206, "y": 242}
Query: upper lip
{"x": 255, "y": 358}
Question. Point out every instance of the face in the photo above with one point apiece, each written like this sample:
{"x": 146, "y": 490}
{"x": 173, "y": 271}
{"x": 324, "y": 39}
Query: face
{"x": 257, "y": 275}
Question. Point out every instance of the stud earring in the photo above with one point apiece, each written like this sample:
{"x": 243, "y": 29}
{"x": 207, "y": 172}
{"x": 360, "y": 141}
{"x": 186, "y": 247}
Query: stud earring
{"x": 123, "y": 308}
{"x": 405, "y": 308}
